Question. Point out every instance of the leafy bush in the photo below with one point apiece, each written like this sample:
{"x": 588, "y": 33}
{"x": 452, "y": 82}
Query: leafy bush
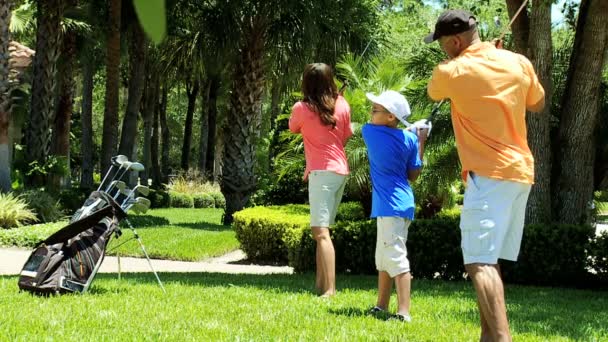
{"x": 286, "y": 187}
{"x": 192, "y": 183}
{"x": 552, "y": 254}
{"x": 261, "y": 230}
{"x": 46, "y": 207}
{"x": 203, "y": 201}
{"x": 14, "y": 211}
{"x": 219, "y": 200}
{"x": 599, "y": 251}
{"x": 180, "y": 200}
{"x": 350, "y": 211}
{"x": 72, "y": 199}
{"x": 159, "y": 199}
{"x": 29, "y": 236}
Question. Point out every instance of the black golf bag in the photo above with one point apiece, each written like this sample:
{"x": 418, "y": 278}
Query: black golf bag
{"x": 68, "y": 260}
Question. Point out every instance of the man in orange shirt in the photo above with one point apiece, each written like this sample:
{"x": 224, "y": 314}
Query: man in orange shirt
{"x": 490, "y": 90}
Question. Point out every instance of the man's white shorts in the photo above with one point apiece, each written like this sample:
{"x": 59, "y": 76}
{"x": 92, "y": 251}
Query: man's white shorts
{"x": 391, "y": 252}
{"x": 325, "y": 189}
{"x": 492, "y": 219}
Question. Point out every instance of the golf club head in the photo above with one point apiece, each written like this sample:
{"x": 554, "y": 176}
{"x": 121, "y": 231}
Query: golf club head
{"x": 142, "y": 190}
{"x": 119, "y": 160}
{"x": 143, "y": 201}
{"x": 120, "y": 185}
{"x": 136, "y": 167}
{"x": 140, "y": 208}
{"x": 110, "y": 186}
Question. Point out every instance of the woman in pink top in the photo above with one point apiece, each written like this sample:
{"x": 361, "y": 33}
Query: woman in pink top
{"x": 323, "y": 119}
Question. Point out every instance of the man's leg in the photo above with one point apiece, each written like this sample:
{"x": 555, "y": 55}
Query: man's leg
{"x": 385, "y": 285}
{"x": 491, "y": 300}
{"x": 403, "y": 283}
{"x": 327, "y": 260}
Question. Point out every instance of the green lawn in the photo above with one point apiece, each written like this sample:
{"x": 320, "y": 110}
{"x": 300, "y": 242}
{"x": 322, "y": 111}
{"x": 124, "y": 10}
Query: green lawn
{"x": 177, "y": 234}
{"x": 202, "y": 307}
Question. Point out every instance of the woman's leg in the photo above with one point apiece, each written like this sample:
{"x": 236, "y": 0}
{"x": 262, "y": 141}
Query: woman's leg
{"x": 326, "y": 261}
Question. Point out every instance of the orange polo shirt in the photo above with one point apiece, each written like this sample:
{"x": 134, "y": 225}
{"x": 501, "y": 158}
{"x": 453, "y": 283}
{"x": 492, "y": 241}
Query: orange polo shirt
{"x": 489, "y": 89}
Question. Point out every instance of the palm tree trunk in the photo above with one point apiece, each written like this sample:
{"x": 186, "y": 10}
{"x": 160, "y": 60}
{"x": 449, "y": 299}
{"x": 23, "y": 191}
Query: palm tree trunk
{"x": 214, "y": 85}
{"x": 238, "y": 172}
{"x": 165, "y": 136}
{"x": 149, "y": 101}
{"x": 541, "y": 52}
{"x": 579, "y": 114}
{"x": 110, "y": 118}
{"x": 137, "y": 55}
{"x": 60, "y": 146}
{"x": 204, "y": 128}
{"x": 192, "y": 92}
{"x": 5, "y": 98}
{"x": 156, "y": 171}
{"x": 42, "y": 111}
{"x": 86, "y": 180}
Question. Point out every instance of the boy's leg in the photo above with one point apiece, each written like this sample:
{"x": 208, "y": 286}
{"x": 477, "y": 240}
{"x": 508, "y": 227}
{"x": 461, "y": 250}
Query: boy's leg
{"x": 385, "y": 285}
{"x": 403, "y": 283}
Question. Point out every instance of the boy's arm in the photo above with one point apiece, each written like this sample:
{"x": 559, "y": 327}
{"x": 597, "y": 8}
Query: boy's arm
{"x": 415, "y": 170}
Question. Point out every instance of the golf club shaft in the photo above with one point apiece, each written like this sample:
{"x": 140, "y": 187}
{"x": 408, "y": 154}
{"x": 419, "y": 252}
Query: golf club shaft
{"x": 504, "y": 31}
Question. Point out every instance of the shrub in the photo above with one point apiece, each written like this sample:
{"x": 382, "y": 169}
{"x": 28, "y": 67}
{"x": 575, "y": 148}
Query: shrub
{"x": 179, "y": 200}
{"x": 159, "y": 199}
{"x": 350, "y": 211}
{"x": 46, "y": 208}
{"x": 552, "y": 254}
{"x": 203, "y": 201}
{"x": 72, "y": 199}
{"x": 192, "y": 183}
{"x": 261, "y": 230}
{"x": 29, "y": 236}
{"x": 599, "y": 252}
{"x": 14, "y": 211}
{"x": 219, "y": 200}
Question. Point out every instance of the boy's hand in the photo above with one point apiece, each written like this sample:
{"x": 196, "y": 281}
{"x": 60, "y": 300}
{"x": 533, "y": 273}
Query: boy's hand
{"x": 421, "y": 128}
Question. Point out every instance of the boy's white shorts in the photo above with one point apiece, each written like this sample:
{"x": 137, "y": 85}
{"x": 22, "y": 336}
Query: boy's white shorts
{"x": 492, "y": 219}
{"x": 391, "y": 252}
{"x": 325, "y": 189}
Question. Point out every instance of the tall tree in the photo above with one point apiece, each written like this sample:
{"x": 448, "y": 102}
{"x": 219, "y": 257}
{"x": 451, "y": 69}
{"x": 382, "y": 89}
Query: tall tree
{"x": 110, "y": 118}
{"x": 208, "y": 124}
{"x": 579, "y": 115}
{"x": 86, "y": 148}
{"x": 5, "y": 103}
{"x": 38, "y": 135}
{"x": 540, "y": 52}
{"x": 192, "y": 91}
{"x": 137, "y": 63}
{"x": 165, "y": 135}
{"x": 60, "y": 145}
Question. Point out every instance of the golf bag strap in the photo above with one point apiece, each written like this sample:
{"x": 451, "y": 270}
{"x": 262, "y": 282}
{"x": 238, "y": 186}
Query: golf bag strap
{"x": 78, "y": 227}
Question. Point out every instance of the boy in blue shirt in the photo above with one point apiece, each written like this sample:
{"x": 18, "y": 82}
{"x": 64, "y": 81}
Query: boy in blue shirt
{"x": 395, "y": 158}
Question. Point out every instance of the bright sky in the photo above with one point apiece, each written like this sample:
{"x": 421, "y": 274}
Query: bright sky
{"x": 556, "y": 12}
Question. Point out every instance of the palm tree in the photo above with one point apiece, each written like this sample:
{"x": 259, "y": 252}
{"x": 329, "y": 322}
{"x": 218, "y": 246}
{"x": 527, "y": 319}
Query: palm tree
{"x": 110, "y": 119}
{"x": 49, "y": 15}
{"x": 5, "y": 165}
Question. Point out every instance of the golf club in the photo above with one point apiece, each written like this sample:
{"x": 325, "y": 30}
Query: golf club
{"x": 140, "y": 189}
{"x": 114, "y": 161}
{"x": 120, "y": 185}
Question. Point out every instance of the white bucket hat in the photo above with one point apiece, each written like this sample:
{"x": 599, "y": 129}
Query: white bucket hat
{"x": 394, "y": 102}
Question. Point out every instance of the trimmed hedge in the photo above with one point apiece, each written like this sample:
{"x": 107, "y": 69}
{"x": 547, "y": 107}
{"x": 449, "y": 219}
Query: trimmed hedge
{"x": 553, "y": 254}
{"x": 203, "y": 201}
{"x": 159, "y": 199}
{"x": 220, "y": 201}
{"x": 179, "y": 200}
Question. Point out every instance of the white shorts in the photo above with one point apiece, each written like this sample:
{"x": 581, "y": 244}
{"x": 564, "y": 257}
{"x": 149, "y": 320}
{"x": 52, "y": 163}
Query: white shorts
{"x": 391, "y": 252}
{"x": 492, "y": 219}
{"x": 325, "y": 189}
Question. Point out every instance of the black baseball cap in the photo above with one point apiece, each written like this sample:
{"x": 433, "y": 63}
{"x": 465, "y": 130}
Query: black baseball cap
{"x": 449, "y": 23}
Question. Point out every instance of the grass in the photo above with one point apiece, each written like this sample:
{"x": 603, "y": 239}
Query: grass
{"x": 281, "y": 307}
{"x": 176, "y": 234}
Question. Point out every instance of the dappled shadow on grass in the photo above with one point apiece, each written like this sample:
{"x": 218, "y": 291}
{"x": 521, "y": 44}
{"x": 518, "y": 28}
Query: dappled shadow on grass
{"x": 352, "y": 311}
{"x": 202, "y": 225}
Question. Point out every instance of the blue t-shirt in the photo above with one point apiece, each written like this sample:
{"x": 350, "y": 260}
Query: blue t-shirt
{"x": 391, "y": 153}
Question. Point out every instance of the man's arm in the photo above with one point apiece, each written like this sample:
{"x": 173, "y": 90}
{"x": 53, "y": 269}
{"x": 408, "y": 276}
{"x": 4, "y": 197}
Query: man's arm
{"x": 437, "y": 87}
{"x": 535, "y": 98}
{"x": 538, "y": 107}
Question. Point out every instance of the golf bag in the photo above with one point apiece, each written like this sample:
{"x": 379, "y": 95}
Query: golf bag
{"x": 68, "y": 260}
